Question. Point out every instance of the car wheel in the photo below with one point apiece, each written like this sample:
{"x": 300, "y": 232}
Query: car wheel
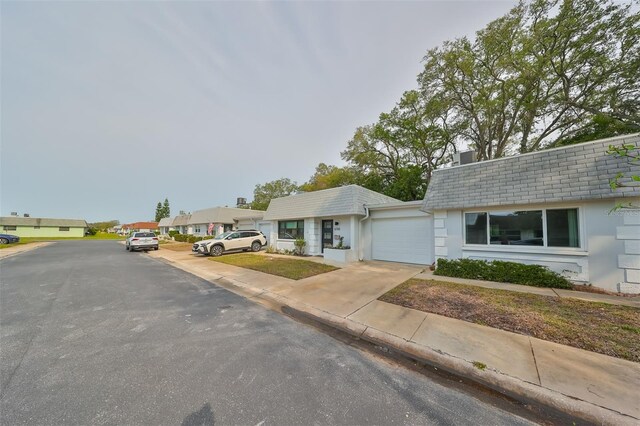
{"x": 126, "y": 247}
{"x": 216, "y": 250}
{"x": 155, "y": 248}
{"x": 256, "y": 246}
{"x": 4, "y": 241}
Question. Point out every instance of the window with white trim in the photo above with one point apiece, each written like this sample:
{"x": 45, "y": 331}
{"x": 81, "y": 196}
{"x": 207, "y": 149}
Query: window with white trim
{"x": 196, "y": 229}
{"x": 544, "y": 227}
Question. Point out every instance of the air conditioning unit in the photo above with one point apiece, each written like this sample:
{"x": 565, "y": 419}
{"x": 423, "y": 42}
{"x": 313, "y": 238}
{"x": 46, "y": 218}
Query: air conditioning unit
{"x": 462, "y": 158}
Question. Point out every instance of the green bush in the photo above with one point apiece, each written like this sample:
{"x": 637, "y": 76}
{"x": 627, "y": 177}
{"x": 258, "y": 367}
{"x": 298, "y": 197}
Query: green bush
{"x": 501, "y": 271}
{"x": 91, "y": 231}
{"x": 173, "y": 233}
{"x": 299, "y": 244}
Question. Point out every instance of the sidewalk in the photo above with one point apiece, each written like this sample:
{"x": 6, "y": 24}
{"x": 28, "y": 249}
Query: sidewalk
{"x": 21, "y": 248}
{"x": 588, "y": 385}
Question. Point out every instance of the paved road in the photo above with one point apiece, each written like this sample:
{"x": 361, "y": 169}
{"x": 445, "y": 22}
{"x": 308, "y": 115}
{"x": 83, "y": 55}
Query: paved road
{"x": 92, "y": 334}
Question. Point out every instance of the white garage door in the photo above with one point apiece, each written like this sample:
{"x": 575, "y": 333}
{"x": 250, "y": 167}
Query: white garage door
{"x": 407, "y": 239}
{"x": 265, "y": 228}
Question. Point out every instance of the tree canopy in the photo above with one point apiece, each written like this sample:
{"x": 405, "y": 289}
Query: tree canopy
{"x": 548, "y": 73}
{"x": 263, "y": 194}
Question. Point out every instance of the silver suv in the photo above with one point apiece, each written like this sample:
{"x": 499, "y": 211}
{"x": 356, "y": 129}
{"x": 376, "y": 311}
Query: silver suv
{"x": 246, "y": 239}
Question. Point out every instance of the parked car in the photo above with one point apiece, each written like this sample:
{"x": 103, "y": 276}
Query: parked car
{"x": 142, "y": 241}
{"x": 7, "y": 239}
{"x": 246, "y": 239}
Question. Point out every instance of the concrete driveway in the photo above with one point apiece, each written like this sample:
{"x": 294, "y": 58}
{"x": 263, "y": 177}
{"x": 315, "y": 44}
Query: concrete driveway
{"x": 344, "y": 291}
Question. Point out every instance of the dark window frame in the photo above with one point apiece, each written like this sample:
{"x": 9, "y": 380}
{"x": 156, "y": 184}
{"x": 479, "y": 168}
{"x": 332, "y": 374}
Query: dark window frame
{"x": 577, "y": 230}
{"x": 285, "y": 233}
{"x": 64, "y": 228}
{"x": 10, "y": 227}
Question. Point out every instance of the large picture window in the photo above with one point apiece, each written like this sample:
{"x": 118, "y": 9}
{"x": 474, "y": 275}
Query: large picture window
{"x": 290, "y": 229}
{"x": 546, "y": 227}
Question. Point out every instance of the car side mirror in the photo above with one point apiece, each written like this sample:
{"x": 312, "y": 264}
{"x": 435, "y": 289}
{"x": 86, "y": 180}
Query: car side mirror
{"x": 228, "y": 238}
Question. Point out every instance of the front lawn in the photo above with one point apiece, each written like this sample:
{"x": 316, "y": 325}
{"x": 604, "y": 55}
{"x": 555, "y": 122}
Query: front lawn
{"x": 296, "y": 269}
{"x": 176, "y": 246}
{"x": 598, "y": 327}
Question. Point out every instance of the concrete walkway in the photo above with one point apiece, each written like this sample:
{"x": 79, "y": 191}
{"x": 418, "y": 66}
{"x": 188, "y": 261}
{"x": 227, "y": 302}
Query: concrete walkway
{"x": 591, "y": 386}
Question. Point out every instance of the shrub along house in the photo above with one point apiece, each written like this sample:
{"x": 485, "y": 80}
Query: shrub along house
{"x": 42, "y": 227}
{"x": 552, "y": 208}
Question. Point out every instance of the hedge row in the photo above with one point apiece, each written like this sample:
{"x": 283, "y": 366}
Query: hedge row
{"x": 501, "y": 271}
{"x": 189, "y": 238}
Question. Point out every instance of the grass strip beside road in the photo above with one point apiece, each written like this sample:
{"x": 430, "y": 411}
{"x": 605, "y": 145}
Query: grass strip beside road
{"x": 295, "y": 269}
{"x": 598, "y": 327}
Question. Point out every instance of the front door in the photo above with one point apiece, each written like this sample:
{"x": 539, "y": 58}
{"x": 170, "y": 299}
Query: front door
{"x": 327, "y": 234}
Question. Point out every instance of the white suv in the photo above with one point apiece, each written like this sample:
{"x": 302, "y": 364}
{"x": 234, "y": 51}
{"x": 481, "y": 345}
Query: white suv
{"x": 248, "y": 239}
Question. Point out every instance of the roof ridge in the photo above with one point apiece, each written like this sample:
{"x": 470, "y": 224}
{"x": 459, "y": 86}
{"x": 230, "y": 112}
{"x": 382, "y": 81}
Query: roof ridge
{"x": 539, "y": 152}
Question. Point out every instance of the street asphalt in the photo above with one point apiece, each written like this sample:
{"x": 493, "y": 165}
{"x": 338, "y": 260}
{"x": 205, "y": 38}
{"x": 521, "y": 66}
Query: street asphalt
{"x": 92, "y": 334}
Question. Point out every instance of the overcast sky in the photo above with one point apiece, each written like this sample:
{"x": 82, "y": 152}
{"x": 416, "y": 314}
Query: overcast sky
{"x": 109, "y": 107}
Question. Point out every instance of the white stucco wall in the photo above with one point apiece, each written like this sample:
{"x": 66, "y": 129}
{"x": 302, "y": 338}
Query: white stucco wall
{"x": 313, "y": 233}
{"x": 609, "y": 256}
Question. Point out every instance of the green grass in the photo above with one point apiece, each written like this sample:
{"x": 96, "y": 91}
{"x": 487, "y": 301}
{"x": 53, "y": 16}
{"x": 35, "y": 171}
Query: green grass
{"x": 98, "y": 236}
{"x": 598, "y": 327}
{"x": 295, "y": 269}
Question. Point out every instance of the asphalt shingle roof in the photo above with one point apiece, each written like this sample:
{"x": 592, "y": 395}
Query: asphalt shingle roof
{"x": 165, "y": 221}
{"x": 571, "y": 173}
{"x": 37, "y": 221}
{"x": 220, "y": 215}
{"x": 341, "y": 201}
{"x": 181, "y": 220}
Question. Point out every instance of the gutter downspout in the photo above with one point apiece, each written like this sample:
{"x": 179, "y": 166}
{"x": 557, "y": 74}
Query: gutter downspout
{"x": 366, "y": 216}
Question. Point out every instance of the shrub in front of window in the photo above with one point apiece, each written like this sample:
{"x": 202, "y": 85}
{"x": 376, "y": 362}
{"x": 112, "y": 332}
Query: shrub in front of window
{"x": 299, "y": 244}
{"x": 173, "y": 233}
{"x": 501, "y": 271}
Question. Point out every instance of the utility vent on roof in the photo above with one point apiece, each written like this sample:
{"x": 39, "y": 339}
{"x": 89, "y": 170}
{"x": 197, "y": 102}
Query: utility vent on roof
{"x": 461, "y": 158}
{"x": 241, "y": 202}
{"x": 27, "y": 215}
{"x": 14, "y": 213}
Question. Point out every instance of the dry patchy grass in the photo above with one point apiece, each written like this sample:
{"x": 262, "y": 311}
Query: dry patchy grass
{"x": 296, "y": 269}
{"x": 598, "y": 327}
{"x": 175, "y": 246}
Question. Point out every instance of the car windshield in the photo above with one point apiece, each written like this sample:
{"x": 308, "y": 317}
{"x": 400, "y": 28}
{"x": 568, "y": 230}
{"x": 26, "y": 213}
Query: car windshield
{"x": 223, "y": 235}
{"x": 144, "y": 234}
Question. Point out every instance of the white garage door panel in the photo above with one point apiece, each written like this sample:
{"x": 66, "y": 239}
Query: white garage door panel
{"x": 406, "y": 240}
{"x": 265, "y": 228}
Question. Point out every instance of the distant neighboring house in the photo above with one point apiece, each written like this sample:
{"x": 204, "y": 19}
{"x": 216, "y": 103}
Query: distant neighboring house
{"x": 165, "y": 225}
{"x": 43, "y": 227}
{"x": 220, "y": 219}
{"x": 139, "y": 227}
{"x": 551, "y": 207}
{"x": 181, "y": 223}
{"x": 373, "y": 225}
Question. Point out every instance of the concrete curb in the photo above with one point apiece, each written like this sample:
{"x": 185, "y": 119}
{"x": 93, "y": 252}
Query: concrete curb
{"x": 513, "y": 387}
